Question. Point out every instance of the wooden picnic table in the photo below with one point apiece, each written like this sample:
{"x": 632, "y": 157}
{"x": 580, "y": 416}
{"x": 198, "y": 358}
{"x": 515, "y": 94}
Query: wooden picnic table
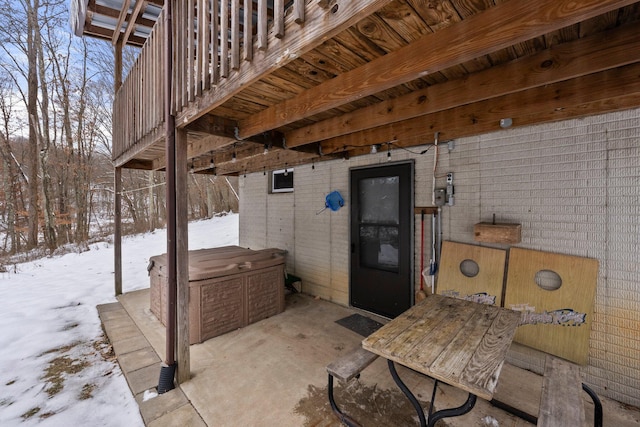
{"x": 458, "y": 342}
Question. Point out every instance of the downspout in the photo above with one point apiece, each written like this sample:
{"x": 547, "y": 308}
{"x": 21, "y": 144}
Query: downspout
{"x": 168, "y": 369}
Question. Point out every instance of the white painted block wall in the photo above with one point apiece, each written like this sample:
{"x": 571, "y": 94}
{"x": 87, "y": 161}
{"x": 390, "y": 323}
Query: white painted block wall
{"x": 573, "y": 185}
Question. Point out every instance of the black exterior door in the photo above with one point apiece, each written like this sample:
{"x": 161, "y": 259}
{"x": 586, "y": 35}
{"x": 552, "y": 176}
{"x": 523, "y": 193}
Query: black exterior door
{"x": 381, "y": 238}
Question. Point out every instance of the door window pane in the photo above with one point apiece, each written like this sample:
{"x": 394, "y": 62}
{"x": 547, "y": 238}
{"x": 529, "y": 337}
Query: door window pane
{"x": 379, "y": 200}
{"x": 379, "y": 247}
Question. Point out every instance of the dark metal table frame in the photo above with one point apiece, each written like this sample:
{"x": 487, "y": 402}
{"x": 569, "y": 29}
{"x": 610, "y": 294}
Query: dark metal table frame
{"x": 434, "y": 417}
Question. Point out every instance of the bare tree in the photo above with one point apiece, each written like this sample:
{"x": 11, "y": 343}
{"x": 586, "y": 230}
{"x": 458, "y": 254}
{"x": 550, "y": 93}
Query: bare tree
{"x": 11, "y": 183}
{"x": 58, "y": 91}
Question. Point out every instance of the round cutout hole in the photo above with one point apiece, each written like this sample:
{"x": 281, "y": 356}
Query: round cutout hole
{"x": 469, "y": 268}
{"x": 548, "y": 280}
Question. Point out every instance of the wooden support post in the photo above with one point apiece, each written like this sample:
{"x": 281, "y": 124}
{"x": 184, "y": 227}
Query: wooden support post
{"x": 117, "y": 185}
{"x": 182, "y": 259}
{"x": 117, "y": 232}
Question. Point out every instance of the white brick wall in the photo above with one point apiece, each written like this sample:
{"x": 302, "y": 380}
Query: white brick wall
{"x": 573, "y": 185}
{"x": 575, "y": 188}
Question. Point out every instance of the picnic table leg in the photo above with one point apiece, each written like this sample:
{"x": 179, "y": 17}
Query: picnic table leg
{"x": 453, "y": 412}
{"x": 438, "y": 415}
{"x": 344, "y": 418}
{"x": 407, "y": 392}
{"x": 597, "y": 408}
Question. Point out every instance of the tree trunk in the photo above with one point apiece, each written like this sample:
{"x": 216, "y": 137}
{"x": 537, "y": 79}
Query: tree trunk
{"x": 45, "y": 137}
{"x": 32, "y": 111}
{"x": 11, "y": 179}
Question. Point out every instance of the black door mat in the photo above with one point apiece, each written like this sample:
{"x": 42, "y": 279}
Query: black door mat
{"x": 359, "y": 324}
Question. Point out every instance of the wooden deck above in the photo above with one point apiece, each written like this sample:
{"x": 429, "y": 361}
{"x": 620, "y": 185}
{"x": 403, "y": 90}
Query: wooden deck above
{"x": 301, "y": 81}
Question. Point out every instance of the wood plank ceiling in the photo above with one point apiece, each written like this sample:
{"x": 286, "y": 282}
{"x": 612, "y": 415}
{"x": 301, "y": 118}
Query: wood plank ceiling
{"x": 416, "y": 67}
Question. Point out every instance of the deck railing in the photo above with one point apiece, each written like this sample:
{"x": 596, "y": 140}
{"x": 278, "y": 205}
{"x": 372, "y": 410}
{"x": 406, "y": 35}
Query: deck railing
{"x": 138, "y": 107}
{"x": 212, "y": 39}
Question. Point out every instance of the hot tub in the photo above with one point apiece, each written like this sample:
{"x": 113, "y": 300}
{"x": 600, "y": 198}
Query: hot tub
{"x": 229, "y": 288}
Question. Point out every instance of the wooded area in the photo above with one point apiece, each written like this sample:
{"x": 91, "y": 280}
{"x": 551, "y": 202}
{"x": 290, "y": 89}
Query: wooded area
{"x": 56, "y": 96}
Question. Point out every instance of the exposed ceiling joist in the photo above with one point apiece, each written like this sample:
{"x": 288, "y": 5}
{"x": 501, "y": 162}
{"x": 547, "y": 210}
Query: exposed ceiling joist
{"x": 131, "y": 25}
{"x": 121, "y": 18}
{"x": 614, "y": 48}
{"x": 496, "y": 28}
{"x": 545, "y": 103}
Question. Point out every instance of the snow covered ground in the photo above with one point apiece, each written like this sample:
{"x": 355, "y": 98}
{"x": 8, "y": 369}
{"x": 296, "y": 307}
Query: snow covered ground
{"x": 57, "y": 370}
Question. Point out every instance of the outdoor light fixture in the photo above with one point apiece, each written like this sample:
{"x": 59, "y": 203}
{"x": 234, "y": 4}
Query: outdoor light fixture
{"x": 266, "y": 149}
{"x": 505, "y": 123}
{"x": 388, "y": 151}
{"x": 234, "y": 157}
{"x": 374, "y": 149}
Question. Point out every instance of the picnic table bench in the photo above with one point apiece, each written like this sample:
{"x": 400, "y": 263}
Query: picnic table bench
{"x": 346, "y": 368}
{"x": 548, "y": 401}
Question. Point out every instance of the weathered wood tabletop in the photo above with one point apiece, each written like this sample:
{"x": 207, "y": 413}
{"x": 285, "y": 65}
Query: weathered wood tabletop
{"x": 461, "y": 343}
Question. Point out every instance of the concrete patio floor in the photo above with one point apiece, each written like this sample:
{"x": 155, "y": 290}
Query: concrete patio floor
{"x": 273, "y": 373}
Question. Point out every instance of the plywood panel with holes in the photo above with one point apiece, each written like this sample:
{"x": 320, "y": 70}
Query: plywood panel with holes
{"x": 485, "y": 286}
{"x": 557, "y": 321}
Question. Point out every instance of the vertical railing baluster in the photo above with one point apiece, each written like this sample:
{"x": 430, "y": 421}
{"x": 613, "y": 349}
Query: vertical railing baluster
{"x": 177, "y": 54}
{"x": 262, "y": 24}
{"x": 224, "y": 38}
{"x": 215, "y": 41}
{"x": 181, "y": 47}
{"x": 235, "y": 34}
{"x": 203, "y": 46}
{"x": 248, "y": 30}
{"x": 278, "y": 18}
{"x": 191, "y": 55}
{"x": 298, "y": 11}
{"x": 145, "y": 91}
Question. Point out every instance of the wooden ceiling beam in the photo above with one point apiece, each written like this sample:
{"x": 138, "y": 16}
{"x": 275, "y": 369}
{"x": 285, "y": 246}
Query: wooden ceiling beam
{"x": 138, "y": 164}
{"x": 277, "y": 159}
{"x": 610, "y": 90}
{"x": 131, "y": 23}
{"x": 223, "y": 127}
{"x": 115, "y": 13}
{"x": 496, "y": 28}
{"x": 614, "y": 48}
{"x": 320, "y": 25}
{"x": 105, "y": 34}
{"x": 122, "y": 16}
